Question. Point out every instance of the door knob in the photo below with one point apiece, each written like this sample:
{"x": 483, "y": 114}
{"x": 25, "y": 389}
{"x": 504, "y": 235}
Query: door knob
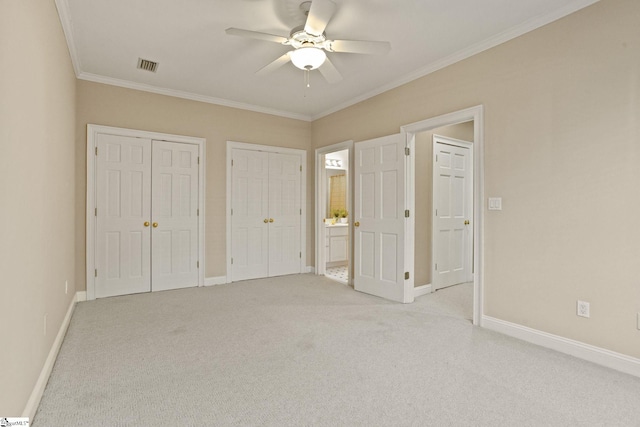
{"x": 356, "y": 224}
{"x": 266, "y": 220}
{"x": 466, "y": 222}
{"x": 146, "y": 223}
{"x": 155, "y": 224}
{"x": 270, "y": 219}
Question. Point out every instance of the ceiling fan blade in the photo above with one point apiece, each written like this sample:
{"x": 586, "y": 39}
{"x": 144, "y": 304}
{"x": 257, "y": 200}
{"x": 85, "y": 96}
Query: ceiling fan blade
{"x": 329, "y": 72}
{"x": 256, "y": 35}
{"x": 358, "y": 46}
{"x": 319, "y": 16}
{"x": 274, "y": 65}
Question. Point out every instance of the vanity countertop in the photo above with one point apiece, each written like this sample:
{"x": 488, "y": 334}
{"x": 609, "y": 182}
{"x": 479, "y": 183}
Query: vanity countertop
{"x": 337, "y": 224}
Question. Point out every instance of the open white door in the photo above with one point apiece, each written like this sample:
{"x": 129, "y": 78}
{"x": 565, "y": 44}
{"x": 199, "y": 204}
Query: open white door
{"x": 379, "y": 218}
{"x": 453, "y": 211}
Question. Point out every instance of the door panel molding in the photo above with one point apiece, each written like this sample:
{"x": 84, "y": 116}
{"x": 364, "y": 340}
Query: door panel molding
{"x": 93, "y": 131}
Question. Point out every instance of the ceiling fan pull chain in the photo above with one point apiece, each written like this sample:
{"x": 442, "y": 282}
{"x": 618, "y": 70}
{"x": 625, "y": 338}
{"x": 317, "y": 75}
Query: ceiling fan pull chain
{"x": 307, "y": 82}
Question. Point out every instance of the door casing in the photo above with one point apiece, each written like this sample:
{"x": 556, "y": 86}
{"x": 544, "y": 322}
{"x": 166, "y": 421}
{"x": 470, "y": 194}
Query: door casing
{"x": 92, "y": 133}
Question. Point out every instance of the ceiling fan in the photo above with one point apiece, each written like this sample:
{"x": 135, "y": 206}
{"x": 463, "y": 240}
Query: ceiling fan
{"x": 310, "y": 43}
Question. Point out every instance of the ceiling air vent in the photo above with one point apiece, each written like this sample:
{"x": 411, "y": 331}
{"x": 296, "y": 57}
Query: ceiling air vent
{"x": 145, "y": 64}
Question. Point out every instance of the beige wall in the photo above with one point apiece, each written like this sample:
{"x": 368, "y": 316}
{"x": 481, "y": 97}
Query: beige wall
{"x": 423, "y": 195}
{"x": 119, "y": 107}
{"x": 562, "y": 129}
{"x": 37, "y": 107}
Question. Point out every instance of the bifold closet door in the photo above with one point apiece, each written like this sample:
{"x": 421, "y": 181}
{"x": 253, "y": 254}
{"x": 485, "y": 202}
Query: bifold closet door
{"x": 123, "y": 194}
{"x": 174, "y": 208}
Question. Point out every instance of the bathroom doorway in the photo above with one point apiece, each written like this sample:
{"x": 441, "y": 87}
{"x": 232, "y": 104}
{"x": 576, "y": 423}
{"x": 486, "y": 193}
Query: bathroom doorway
{"x": 334, "y": 192}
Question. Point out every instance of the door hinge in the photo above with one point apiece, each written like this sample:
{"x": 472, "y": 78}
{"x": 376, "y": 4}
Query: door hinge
{"x": 300, "y": 211}
{"x": 436, "y": 266}
{"x": 198, "y": 212}
{"x": 300, "y": 168}
{"x": 436, "y": 157}
{"x": 406, "y": 275}
{"x": 436, "y": 212}
{"x": 231, "y": 211}
{"x": 300, "y": 254}
{"x": 95, "y": 212}
{"x": 197, "y": 264}
{"x": 232, "y": 261}
{"x": 95, "y": 273}
{"x": 96, "y": 151}
{"x": 198, "y": 159}
{"x": 406, "y": 213}
{"x": 407, "y": 151}
{"x": 231, "y": 162}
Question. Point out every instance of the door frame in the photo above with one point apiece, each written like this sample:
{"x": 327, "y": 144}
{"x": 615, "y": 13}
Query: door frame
{"x": 231, "y": 145}
{"x": 409, "y": 133}
{"x": 321, "y": 205}
{"x": 468, "y": 199}
{"x": 92, "y": 136}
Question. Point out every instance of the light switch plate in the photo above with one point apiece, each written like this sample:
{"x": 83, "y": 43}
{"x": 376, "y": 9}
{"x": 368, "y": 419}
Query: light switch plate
{"x": 495, "y": 203}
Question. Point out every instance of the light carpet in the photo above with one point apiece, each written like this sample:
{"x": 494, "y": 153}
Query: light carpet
{"x": 305, "y": 350}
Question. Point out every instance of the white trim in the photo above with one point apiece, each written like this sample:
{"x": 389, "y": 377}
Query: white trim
{"x": 610, "y": 359}
{"x": 92, "y": 133}
{"x": 38, "y": 389}
{"x": 477, "y": 115}
{"x": 465, "y": 53}
{"x": 67, "y": 28}
{"x": 321, "y": 206}
{"x": 81, "y": 296}
{"x": 418, "y": 291}
{"x": 303, "y": 197}
{"x": 310, "y": 269}
{"x": 213, "y": 281}
{"x": 190, "y": 96}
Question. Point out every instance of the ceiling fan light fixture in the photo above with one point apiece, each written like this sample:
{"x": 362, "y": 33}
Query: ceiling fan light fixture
{"x": 308, "y": 58}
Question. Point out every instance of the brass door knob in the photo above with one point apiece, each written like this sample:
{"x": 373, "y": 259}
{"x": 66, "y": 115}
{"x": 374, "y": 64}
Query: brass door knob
{"x": 146, "y": 223}
{"x": 270, "y": 219}
{"x": 155, "y": 224}
{"x": 266, "y": 220}
{"x": 356, "y": 224}
{"x": 466, "y": 222}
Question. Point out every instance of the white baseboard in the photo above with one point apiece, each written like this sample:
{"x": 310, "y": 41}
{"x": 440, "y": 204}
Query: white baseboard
{"x": 36, "y": 394}
{"x": 81, "y": 296}
{"x": 213, "y": 281}
{"x": 418, "y": 291}
{"x": 310, "y": 269}
{"x": 610, "y": 359}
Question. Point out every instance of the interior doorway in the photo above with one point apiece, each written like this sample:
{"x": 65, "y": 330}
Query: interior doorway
{"x": 333, "y": 197}
{"x": 465, "y": 125}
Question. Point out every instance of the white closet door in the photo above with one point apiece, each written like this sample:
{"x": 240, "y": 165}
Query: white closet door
{"x": 379, "y": 216}
{"x": 250, "y": 214}
{"x": 284, "y": 214}
{"x": 174, "y": 237}
{"x": 123, "y": 183}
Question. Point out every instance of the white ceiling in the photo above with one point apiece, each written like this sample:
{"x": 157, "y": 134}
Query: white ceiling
{"x": 197, "y": 60}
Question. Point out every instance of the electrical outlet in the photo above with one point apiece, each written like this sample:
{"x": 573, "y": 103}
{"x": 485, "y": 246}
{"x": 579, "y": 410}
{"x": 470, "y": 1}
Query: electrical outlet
{"x": 582, "y": 309}
{"x": 66, "y": 287}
